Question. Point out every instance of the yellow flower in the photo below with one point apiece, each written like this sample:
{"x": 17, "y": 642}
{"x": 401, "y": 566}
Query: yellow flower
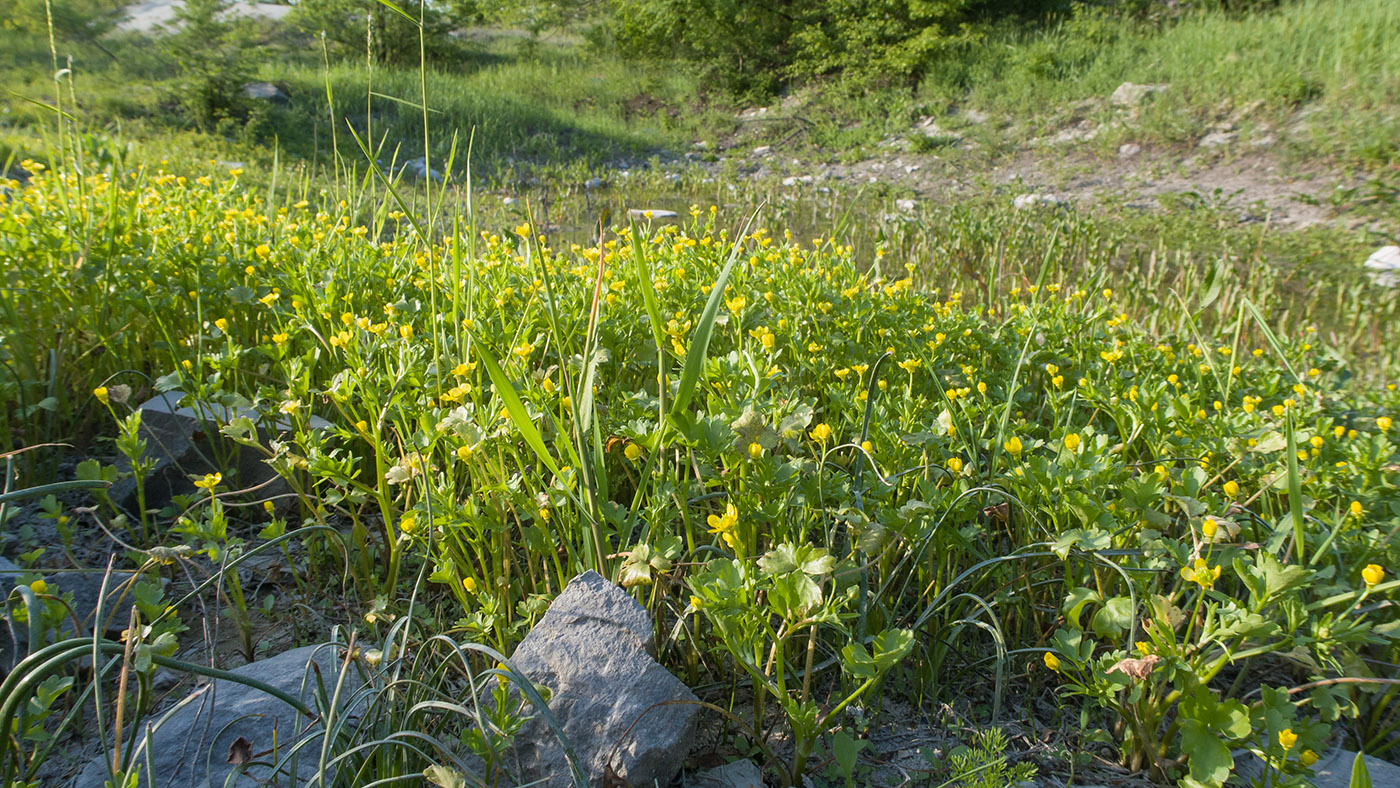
{"x": 101, "y": 393}
{"x": 1287, "y": 738}
{"x": 464, "y": 452}
{"x": 1209, "y": 528}
{"x": 263, "y": 251}
{"x": 1383, "y": 423}
{"x": 524, "y": 351}
{"x": 406, "y": 331}
{"x": 1372, "y": 574}
{"x": 632, "y": 452}
{"x": 280, "y": 338}
{"x": 469, "y": 583}
{"x": 1308, "y": 758}
{"x": 1201, "y": 573}
{"x": 210, "y": 481}
{"x": 1231, "y": 488}
{"x": 544, "y": 515}
{"x": 821, "y": 433}
{"x": 724, "y": 526}
{"x": 1013, "y": 446}
{"x": 1357, "y": 509}
{"x": 408, "y": 524}
{"x": 39, "y": 586}
{"x": 755, "y": 450}
{"x": 1052, "y": 662}
{"x": 221, "y": 324}
{"x": 1072, "y": 442}
{"x": 955, "y": 464}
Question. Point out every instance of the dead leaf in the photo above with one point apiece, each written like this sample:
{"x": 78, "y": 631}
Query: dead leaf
{"x": 611, "y": 779}
{"x": 1000, "y": 512}
{"x": 240, "y": 751}
{"x": 1138, "y": 669}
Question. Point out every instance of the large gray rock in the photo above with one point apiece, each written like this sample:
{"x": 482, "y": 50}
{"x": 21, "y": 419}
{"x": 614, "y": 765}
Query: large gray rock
{"x": 190, "y": 747}
{"x": 1334, "y": 770}
{"x": 184, "y": 440}
{"x": 594, "y": 651}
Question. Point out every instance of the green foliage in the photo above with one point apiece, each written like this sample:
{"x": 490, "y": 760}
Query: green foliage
{"x": 385, "y": 32}
{"x": 753, "y": 48}
{"x": 213, "y": 57}
{"x": 984, "y": 764}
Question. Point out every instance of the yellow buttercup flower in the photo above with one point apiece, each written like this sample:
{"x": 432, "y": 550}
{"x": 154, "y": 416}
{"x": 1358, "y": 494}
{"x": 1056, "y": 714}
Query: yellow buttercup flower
{"x": 1209, "y": 528}
{"x": 821, "y": 433}
{"x": 469, "y": 583}
{"x": 1357, "y": 509}
{"x": 955, "y": 464}
{"x": 1052, "y": 662}
{"x": 1072, "y": 442}
{"x": 1287, "y": 738}
{"x": 724, "y": 525}
{"x": 1013, "y": 446}
{"x": 632, "y": 452}
{"x": 1383, "y": 423}
{"x": 1372, "y": 574}
{"x": 1308, "y": 758}
{"x": 1231, "y": 488}
{"x": 39, "y": 586}
{"x": 102, "y": 394}
{"x": 755, "y": 450}
{"x": 210, "y": 481}
{"x": 1201, "y": 574}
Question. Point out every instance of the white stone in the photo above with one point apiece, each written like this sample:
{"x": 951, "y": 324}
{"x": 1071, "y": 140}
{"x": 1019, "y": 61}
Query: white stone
{"x": 1384, "y": 265}
{"x": 651, "y": 213}
{"x": 738, "y": 774}
{"x": 1129, "y": 94}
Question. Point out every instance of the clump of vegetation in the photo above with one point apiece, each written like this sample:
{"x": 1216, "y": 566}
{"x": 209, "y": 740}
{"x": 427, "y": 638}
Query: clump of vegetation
{"x": 785, "y": 453}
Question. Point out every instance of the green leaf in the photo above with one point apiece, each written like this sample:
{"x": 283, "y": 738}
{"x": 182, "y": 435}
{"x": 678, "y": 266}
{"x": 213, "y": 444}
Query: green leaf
{"x": 1209, "y": 757}
{"x": 1114, "y": 618}
{"x": 891, "y": 646}
{"x": 1360, "y": 777}
{"x": 514, "y": 407}
{"x": 857, "y": 662}
{"x": 794, "y": 595}
{"x": 808, "y": 559}
{"x": 1075, "y": 602}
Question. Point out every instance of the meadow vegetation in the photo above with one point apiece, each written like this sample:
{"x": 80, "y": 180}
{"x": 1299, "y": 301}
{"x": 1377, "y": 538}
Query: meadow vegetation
{"x": 1138, "y": 471}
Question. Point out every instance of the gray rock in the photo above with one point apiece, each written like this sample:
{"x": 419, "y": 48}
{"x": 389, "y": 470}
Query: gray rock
{"x": 1334, "y": 770}
{"x": 265, "y": 91}
{"x": 1028, "y": 201}
{"x": 184, "y": 441}
{"x": 1384, "y": 266}
{"x": 418, "y": 169}
{"x": 1129, "y": 94}
{"x": 594, "y": 651}
{"x": 1217, "y": 139}
{"x": 1129, "y": 150}
{"x": 86, "y": 588}
{"x": 190, "y": 746}
{"x": 738, "y": 774}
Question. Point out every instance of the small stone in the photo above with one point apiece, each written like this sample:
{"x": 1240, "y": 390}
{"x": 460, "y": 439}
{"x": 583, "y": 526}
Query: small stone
{"x": 1129, "y": 94}
{"x": 1217, "y": 139}
{"x": 1384, "y": 265}
{"x": 1129, "y": 150}
{"x": 763, "y": 150}
{"x": 1028, "y": 201}
{"x": 738, "y": 774}
{"x": 265, "y": 91}
{"x": 906, "y": 205}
